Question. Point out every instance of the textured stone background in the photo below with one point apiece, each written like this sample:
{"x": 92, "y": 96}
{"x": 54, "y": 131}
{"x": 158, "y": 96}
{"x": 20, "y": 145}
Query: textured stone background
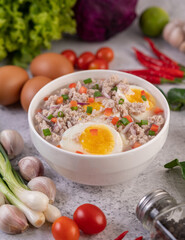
{"x": 119, "y": 201}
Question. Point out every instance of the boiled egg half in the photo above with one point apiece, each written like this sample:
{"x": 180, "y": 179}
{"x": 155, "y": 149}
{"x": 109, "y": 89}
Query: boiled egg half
{"x": 92, "y": 138}
{"x": 138, "y": 94}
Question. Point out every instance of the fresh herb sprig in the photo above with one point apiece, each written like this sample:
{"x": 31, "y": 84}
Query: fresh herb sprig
{"x": 175, "y": 163}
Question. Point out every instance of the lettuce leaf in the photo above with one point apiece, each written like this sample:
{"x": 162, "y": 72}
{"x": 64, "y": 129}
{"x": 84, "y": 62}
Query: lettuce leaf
{"x": 28, "y": 26}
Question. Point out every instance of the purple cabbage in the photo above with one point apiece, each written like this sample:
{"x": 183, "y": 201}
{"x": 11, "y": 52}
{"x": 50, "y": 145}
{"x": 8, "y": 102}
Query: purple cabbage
{"x": 98, "y": 20}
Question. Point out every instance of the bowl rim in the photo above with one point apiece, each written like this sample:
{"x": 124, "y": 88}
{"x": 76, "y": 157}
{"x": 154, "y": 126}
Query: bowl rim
{"x": 93, "y": 156}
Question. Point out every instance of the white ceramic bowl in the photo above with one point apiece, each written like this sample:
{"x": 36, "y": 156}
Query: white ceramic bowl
{"x": 98, "y": 169}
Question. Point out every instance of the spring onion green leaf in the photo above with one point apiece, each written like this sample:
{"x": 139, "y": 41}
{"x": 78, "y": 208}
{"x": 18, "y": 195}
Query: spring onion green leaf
{"x": 88, "y": 80}
{"x": 89, "y": 109}
{"x": 50, "y": 116}
{"x": 74, "y": 108}
{"x": 46, "y": 132}
{"x": 96, "y": 86}
{"x": 97, "y": 94}
{"x": 144, "y": 122}
{"x": 114, "y": 89}
{"x": 143, "y": 97}
{"x": 121, "y": 101}
{"x": 151, "y": 133}
{"x": 65, "y": 96}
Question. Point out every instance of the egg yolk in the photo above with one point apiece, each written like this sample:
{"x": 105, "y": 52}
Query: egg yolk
{"x": 94, "y": 105}
{"x": 97, "y": 140}
{"x": 136, "y": 97}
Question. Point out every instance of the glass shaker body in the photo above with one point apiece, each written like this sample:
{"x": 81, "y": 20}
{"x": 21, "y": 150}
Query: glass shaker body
{"x": 162, "y": 216}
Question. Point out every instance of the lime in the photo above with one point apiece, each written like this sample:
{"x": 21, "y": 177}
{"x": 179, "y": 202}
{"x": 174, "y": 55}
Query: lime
{"x": 153, "y": 20}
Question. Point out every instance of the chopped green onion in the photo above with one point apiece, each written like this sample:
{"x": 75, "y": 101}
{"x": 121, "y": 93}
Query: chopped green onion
{"x": 151, "y": 133}
{"x": 138, "y": 123}
{"x": 118, "y": 123}
{"x": 114, "y": 89}
{"x": 46, "y": 132}
{"x": 96, "y": 86}
{"x": 89, "y": 109}
{"x": 88, "y": 80}
{"x": 61, "y": 114}
{"x": 143, "y": 97}
{"x": 121, "y": 101}
{"x": 144, "y": 122}
{"x": 50, "y": 116}
{"x": 124, "y": 121}
{"x": 97, "y": 94}
{"x": 74, "y": 108}
{"x": 65, "y": 96}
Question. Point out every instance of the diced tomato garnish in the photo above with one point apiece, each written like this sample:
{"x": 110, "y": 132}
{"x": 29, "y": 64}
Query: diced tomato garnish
{"x": 115, "y": 120}
{"x": 73, "y": 103}
{"x": 59, "y": 100}
{"x": 45, "y": 99}
{"x": 94, "y": 132}
{"x": 72, "y": 85}
{"x": 136, "y": 144}
{"x": 83, "y": 90}
{"x": 58, "y": 146}
{"x": 128, "y": 117}
{"x": 158, "y": 110}
{"x": 54, "y": 120}
{"x": 143, "y": 93}
{"x": 108, "y": 111}
{"x": 79, "y": 152}
{"x": 90, "y": 100}
{"x": 139, "y": 238}
{"x": 154, "y": 128}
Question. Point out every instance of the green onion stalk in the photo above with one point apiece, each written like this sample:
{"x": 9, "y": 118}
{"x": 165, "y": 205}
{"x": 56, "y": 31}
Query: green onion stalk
{"x": 35, "y": 200}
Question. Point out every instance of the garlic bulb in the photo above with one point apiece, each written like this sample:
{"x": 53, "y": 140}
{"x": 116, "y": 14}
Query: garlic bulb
{"x": 2, "y": 199}
{"x": 52, "y": 213}
{"x": 30, "y": 167}
{"x": 174, "y": 34}
{"x": 12, "y": 220}
{"x": 12, "y": 142}
{"x": 44, "y": 185}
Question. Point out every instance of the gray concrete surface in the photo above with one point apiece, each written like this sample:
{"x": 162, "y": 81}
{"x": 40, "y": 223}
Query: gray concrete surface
{"x": 119, "y": 201}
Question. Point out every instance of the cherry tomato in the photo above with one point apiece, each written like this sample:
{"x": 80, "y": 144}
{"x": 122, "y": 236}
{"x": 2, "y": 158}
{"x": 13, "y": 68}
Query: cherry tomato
{"x": 105, "y": 53}
{"x": 90, "y": 219}
{"x": 65, "y": 228}
{"x": 84, "y": 60}
{"x": 98, "y": 64}
{"x": 70, "y": 55}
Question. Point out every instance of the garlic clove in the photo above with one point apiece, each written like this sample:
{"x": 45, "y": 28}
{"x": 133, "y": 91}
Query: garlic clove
{"x": 12, "y": 142}
{"x": 2, "y": 199}
{"x": 182, "y": 47}
{"x": 12, "y": 220}
{"x": 52, "y": 213}
{"x": 30, "y": 167}
{"x": 44, "y": 185}
{"x": 168, "y": 29}
{"x": 176, "y": 37}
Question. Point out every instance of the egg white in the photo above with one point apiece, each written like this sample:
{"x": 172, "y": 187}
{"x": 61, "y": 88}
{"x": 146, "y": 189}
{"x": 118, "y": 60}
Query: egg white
{"x": 70, "y": 139}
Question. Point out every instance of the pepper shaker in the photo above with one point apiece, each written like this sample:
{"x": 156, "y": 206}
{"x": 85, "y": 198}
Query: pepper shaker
{"x": 160, "y": 214}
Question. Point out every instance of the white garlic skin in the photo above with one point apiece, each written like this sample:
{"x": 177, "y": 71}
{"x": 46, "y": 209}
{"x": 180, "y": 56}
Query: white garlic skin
{"x": 12, "y": 220}
{"x": 44, "y": 185}
{"x": 52, "y": 213}
{"x": 2, "y": 199}
{"x": 173, "y": 33}
{"x": 12, "y": 142}
{"x": 30, "y": 167}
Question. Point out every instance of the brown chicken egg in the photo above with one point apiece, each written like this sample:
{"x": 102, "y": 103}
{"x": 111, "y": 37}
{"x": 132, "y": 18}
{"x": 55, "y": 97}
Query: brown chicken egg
{"x": 12, "y": 78}
{"x": 51, "y": 65}
{"x": 31, "y": 87}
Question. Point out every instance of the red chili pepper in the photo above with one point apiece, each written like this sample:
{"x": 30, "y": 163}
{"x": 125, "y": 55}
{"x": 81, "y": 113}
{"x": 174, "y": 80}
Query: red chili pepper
{"x": 151, "y": 59}
{"x": 174, "y": 72}
{"x": 154, "y": 79}
{"x": 121, "y": 236}
{"x": 139, "y": 238}
{"x": 161, "y": 55}
{"x": 150, "y": 72}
